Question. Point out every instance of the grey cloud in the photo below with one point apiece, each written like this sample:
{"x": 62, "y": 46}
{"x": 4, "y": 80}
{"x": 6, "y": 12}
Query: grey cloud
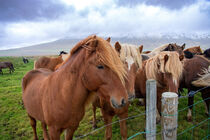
{"x": 27, "y": 10}
{"x": 169, "y": 4}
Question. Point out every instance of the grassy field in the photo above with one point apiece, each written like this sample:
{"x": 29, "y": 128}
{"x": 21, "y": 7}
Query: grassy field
{"x": 14, "y": 123}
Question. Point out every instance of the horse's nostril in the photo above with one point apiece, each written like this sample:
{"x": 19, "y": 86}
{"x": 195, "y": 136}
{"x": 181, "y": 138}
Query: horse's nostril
{"x": 123, "y": 102}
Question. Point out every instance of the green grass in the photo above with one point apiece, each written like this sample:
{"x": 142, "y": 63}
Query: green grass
{"x": 14, "y": 123}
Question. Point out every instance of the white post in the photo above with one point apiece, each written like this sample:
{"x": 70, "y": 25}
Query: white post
{"x": 151, "y": 99}
{"x": 169, "y": 115}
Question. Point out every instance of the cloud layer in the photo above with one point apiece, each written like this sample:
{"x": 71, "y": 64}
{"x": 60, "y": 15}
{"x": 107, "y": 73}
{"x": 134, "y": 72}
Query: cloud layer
{"x": 31, "y": 22}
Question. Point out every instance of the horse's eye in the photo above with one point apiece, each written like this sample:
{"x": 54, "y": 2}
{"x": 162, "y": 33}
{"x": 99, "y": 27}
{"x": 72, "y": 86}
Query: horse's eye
{"x": 100, "y": 67}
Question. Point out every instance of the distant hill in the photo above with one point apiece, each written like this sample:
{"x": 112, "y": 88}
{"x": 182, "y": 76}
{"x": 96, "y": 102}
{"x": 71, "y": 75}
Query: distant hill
{"x": 53, "y": 48}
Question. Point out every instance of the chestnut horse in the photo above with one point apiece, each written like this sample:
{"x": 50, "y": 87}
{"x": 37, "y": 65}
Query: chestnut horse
{"x": 58, "y": 98}
{"x": 192, "y": 69}
{"x": 166, "y": 68}
{"x": 50, "y": 62}
{"x": 131, "y": 57}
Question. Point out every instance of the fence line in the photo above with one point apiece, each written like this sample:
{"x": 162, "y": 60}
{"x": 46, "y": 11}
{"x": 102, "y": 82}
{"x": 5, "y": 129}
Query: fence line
{"x": 135, "y": 116}
{"x": 154, "y": 130}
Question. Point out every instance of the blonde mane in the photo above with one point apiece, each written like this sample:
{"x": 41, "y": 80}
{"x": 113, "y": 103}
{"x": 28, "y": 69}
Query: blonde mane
{"x": 204, "y": 79}
{"x": 157, "y": 64}
{"x": 128, "y": 50}
{"x": 109, "y": 57}
{"x": 159, "y": 49}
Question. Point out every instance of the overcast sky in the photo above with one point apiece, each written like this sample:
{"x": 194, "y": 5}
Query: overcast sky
{"x": 27, "y": 22}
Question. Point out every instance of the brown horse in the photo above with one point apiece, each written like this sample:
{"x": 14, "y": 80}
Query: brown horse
{"x": 192, "y": 69}
{"x": 50, "y": 62}
{"x": 4, "y": 65}
{"x": 195, "y": 50}
{"x": 166, "y": 47}
{"x": 131, "y": 57}
{"x": 166, "y": 68}
{"x": 190, "y": 52}
{"x": 58, "y": 98}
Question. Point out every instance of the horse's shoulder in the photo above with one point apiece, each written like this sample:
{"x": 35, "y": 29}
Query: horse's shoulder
{"x": 34, "y": 74}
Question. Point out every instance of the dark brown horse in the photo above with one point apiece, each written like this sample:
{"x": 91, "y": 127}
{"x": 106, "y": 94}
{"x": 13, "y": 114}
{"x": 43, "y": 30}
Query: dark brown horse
{"x": 166, "y": 68}
{"x": 4, "y": 65}
{"x": 58, "y": 98}
{"x": 207, "y": 53}
{"x": 192, "y": 68}
{"x": 130, "y": 56}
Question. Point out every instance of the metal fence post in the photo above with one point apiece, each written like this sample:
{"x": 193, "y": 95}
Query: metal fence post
{"x": 151, "y": 99}
{"x": 169, "y": 116}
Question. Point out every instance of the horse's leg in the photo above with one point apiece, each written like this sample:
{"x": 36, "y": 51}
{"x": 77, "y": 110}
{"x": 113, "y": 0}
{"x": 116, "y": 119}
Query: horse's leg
{"x": 54, "y": 133}
{"x": 108, "y": 120}
{"x": 205, "y": 95}
{"x": 94, "y": 117}
{"x": 33, "y": 125}
{"x": 70, "y": 133}
{"x": 123, "y": 127}
{"x": 45, "y": 133}
{"x": 190, "y": 105}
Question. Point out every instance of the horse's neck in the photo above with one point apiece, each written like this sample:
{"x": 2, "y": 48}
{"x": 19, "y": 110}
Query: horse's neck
{"x": 70, "y": 84}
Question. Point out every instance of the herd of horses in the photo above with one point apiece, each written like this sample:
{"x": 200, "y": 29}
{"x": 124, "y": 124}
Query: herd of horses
{"x": 57, "y": 91}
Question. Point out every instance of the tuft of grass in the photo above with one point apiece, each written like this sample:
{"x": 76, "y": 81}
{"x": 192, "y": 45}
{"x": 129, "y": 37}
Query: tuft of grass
{"x": 14, "y": 122}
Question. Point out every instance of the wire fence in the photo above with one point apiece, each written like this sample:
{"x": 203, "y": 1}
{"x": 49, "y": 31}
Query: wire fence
{"x": 183, "y": 131}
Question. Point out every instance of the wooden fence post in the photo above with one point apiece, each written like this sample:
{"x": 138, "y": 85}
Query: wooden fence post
{"x": 151, "y": 99}
{"x": 169, "y": 115}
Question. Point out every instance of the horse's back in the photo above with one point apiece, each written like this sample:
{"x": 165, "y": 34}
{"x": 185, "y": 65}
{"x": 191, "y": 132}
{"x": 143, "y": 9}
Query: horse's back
{"x": 32, "y": 98}
{"x": 193, "y": 67}
{"x": 42, "y": 62}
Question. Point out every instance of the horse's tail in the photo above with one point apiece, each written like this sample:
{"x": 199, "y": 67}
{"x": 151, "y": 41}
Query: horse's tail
{"x": 204, "y": 79}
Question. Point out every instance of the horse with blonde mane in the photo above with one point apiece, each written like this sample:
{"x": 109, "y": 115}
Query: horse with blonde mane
{"x": 166, "y": 47}
{"x": 166, "y": 68}
{"x": 130, "y": 56}
{"x": 93, "y": 67}
{"x": 193, "y": 68}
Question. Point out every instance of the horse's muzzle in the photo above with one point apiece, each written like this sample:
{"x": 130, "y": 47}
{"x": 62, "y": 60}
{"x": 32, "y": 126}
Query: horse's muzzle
{"x": 117, "y": 105}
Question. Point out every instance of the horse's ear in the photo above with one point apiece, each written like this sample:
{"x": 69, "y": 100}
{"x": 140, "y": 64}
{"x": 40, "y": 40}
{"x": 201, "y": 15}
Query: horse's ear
{"x": 183, "y": 46}
{"x": 141, "y": 48}
{"x": 181, "y": 57}
{"x": 117, "y": 46}
{"x": 92, "y": 42}
{"x": 170, "y": 47}
{"x": 108, "y": 39}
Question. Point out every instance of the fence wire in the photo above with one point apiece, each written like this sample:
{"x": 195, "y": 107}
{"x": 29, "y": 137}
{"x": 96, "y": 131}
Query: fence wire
{"x": 158, "y": 133}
